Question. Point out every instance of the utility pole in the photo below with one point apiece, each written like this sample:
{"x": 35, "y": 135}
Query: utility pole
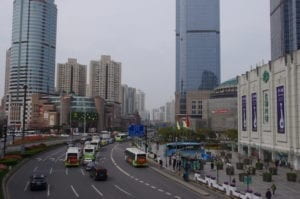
{"x": 146, "y": 139}
{"x": 24, "y": 119}
{"x": 84, "y": 128}
{"x": 5, "y": 136}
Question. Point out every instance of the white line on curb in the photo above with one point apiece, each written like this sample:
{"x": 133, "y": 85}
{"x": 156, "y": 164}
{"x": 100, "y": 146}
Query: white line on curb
{"x": 97, "y": 190}
{"x": 76, "y": 194}
{"x": 122, "y": 190}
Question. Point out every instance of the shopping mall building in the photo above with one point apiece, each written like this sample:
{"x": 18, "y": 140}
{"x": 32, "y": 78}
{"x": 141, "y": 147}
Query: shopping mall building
{"x": 269, "y": 111}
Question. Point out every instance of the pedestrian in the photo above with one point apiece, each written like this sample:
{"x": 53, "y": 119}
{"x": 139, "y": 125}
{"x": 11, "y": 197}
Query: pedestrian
{"x": 273, "y": 187}
{"x": 268, "y": 194}
{"x": 212, "y": 166}
{"x": 174, "y": 164}
{"x": 233, "y": 181}
{"x": 179, "y": 165}
{"x": 170, "y": 161}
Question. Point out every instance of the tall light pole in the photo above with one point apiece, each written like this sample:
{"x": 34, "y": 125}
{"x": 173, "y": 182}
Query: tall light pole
{"x": 84, "y": 123}
{"x": 24, "y": 118}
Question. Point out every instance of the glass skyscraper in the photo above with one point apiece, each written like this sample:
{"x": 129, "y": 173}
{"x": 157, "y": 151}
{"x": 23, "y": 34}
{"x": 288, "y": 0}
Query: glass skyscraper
{"x": 285, "y": 27}
{"x": 32, "y": 51}
{"x": 197, "y": 46}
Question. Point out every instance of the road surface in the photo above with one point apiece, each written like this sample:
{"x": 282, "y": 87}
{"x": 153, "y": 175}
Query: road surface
{"x": 124, "y": 181}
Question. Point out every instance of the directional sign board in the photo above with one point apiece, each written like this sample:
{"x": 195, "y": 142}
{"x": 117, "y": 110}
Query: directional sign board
{"x": 136, "y": 130}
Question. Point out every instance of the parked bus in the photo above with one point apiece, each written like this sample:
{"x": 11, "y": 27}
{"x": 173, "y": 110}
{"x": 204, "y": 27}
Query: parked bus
{"x": 136, "y": 157}
{"x": 72, "y": 157}
{"x": 88, "y": 154}
{"x": 121, "y": 137}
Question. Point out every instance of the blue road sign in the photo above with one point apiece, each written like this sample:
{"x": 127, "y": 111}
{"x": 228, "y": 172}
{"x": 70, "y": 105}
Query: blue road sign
{"x": 136, "y": 130}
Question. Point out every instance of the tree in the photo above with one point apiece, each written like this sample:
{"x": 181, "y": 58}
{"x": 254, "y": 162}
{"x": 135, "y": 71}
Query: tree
{"x": 231, "y": 134}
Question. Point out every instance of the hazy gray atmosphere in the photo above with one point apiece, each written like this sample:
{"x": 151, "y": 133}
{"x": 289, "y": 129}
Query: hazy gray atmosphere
{"x": 140, "y": 34}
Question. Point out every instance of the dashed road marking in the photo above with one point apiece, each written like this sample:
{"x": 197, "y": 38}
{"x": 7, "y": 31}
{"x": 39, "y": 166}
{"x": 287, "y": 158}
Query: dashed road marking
{"x": 160, "y": 190}
{"x": 147, "y": 184}
{"x": 74, "y": 191}
{"x": 97, "y": 190}
{"x": 153, "y": 187}
{"x": 35, "y": 169}
{"x": 177, "y": 197}
{"x": 51, "y": 170}
{"x": 48, "y": 191}
{"x": 122, "y": 190}
{"x": 67, "y": 171}
{"x": 168, "y": 193}
{"x": 141, "y": 181}
{"x": 82, "y": 172}
{"x": 136, "y": 179}
{"x": 26, "y": 186}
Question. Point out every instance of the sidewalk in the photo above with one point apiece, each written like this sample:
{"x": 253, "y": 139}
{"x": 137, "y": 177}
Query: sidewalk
{"x": 284, "y": 189}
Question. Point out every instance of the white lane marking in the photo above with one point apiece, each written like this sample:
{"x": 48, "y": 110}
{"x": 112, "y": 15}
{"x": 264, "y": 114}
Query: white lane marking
{"x": 60, "y": 157}
{"x": 38, "y": 159}
{"x": 46, "y": 158}
{"x": 122, "y": 190}
{"x": 112, "y": 159}
{"x": 177, "y": 197}
{"x": 35, "y": 169}
{"x": 168, "y": 193}
{"x": 26, "y": 186}
{"x": 67, "y": 171}
{"x": 51, "y": 170}
{"x": 97, "y": 190}
{"x": 76, "y": 194}
{"x": 147, "y": 184}
{"x": 82, "y": 172}
{"x": 141, "y": 181}
{"x": 48, "y": 191}
{"x": 136, "y": 179}
{"x": 153, "y": 187}
{"x": 160, "y": 190}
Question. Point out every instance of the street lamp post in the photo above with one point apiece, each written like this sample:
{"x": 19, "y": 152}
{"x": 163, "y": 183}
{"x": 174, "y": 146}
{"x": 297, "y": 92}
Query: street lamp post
{"x": 24, "y": 118}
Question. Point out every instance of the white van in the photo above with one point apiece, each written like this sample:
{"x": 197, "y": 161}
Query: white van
{"x": 96, "y": 144}
{"x": 72, "y": 157}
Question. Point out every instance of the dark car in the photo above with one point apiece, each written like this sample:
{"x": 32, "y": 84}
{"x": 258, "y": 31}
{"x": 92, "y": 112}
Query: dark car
{"x": 38, "y": 182}
{"x": 98, "y": 172}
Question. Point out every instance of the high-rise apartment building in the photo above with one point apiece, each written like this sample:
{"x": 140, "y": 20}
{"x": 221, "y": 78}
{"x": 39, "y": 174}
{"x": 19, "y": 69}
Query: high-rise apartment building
{"x": 197, "y": 47}
{"x": 285, "y": 27}
{"x": 105, "y": 79}
{"x": 71, "y": 78}
{"x": 140, "y": 101}
{"x": 32, "y": 52}
{"x": 128, "y": 100}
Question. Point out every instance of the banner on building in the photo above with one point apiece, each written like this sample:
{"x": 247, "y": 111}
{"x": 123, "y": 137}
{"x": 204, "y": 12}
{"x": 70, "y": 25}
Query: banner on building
{"x": 266, "y": 105}
{"x": 280, "y": 110}
{"x": 254, "y": 111}
{"x": 244, "y": 113}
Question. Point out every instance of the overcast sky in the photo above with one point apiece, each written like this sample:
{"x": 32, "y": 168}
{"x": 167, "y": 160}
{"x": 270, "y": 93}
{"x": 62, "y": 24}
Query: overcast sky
{"x": 140, "y": 34}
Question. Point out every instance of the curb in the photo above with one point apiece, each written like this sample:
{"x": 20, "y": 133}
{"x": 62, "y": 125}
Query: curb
{"x": 18, "y": 166}
{"x": 192, "y": 187}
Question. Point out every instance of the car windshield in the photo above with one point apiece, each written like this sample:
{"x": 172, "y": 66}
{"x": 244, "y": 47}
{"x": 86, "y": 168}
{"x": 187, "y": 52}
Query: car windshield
{"x": 89, "y": 150}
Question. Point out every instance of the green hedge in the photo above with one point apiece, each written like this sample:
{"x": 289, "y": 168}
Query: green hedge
{"x": 9, "y": 162}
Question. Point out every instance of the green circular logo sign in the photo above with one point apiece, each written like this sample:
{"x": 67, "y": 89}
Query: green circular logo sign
{"x": 266, "y": 76}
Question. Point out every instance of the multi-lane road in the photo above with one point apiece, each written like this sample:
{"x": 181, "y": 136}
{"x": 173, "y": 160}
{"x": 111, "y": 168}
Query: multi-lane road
{"x": 124, "y": 181}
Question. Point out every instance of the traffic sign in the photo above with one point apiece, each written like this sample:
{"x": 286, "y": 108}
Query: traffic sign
{"x": 136, "y": 130}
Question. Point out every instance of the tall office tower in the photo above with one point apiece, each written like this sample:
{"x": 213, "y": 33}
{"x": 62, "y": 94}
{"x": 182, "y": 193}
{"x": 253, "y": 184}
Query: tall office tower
{"x": 285, "y": 27}
{"x": 197, "y": 47}
{"x": 32, "y": 52}
{"x": 105, "y": 79}
{"x": 71, "y": 78}
{"x": 7, "y": 71}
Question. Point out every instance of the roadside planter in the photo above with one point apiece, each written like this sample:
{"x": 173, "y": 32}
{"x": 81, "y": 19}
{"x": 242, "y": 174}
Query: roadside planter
{"x": 239, "y": 166}
{"x": 273, "y": 170}
{"x": 267, "y": 177}
{"x": 259, "y": 166}
{"x": 291, "y": 177}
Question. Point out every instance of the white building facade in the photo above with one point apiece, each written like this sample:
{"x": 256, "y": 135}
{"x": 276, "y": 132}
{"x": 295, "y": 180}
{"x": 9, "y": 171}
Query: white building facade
{"x": 269, "y": 111}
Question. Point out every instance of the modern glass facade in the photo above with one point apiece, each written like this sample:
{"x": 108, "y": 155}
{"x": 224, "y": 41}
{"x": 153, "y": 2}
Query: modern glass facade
{"x": 33, "y": 48}
{"x": 285, "y": 27}
{"x": 197, "y": 46}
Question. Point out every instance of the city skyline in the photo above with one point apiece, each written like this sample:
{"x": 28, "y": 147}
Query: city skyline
{"x": 160, "y": 44}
